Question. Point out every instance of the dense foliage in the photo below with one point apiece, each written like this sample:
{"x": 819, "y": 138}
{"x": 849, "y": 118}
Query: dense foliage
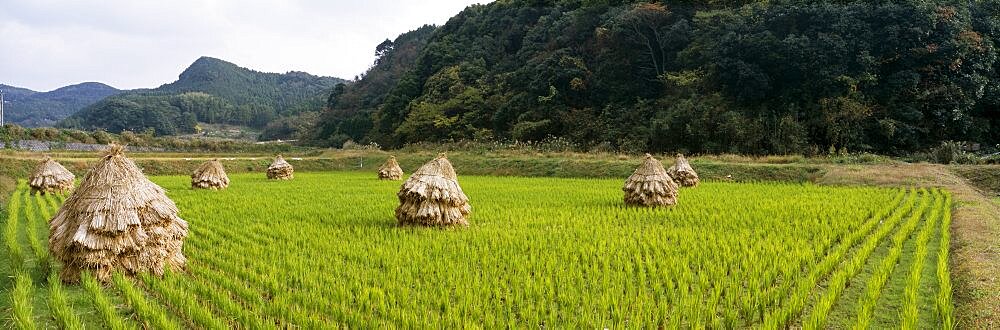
{"x": 29, "y": 108}
{"x": 698, "y": 76}
{"x": 555, "y": 252}
{"x": 349, "y": 109}
{"x": 210, "y": 91}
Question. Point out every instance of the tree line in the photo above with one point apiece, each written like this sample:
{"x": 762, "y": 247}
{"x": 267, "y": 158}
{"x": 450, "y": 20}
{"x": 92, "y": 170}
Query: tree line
{"x": 695, "y": 76}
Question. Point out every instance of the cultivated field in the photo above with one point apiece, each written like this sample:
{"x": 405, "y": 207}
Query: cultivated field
{"x": 324, "y": 250}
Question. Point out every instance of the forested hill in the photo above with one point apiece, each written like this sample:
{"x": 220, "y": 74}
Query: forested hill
{"x": 29, "y": 108}
{"x": 211, "y": 91}
{"x": 696, "y": 76}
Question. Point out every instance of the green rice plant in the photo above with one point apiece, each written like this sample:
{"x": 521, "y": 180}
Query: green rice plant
{"x": 838, "y": 281}
{"x": 945, "y": 306}
{"x": 13, "y": 247}
{"x": 866, "y": 307}
{"x": 150, "y": 312}
{"x": 910, "y": 310}
{"x": 222, "y": 301}
{"x": 778, "y": 318}
{"x": 60, "y": 306}
{"x": 183, "y": 302}
{"x": 324, "y": 251}
{"x": 39, "y": 249}
{"x": 21, "y": 301}
{"x": 103, "y": 304}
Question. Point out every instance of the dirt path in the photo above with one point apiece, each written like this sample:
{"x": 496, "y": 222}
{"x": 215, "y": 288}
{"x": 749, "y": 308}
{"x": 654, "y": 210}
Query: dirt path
{"x": 975, "y": 249}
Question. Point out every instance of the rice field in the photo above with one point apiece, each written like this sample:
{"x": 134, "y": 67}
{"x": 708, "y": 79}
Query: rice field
{"x": 324, "y": 251}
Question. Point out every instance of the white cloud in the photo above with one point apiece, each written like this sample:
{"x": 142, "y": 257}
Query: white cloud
{"x": 46, "y": 44}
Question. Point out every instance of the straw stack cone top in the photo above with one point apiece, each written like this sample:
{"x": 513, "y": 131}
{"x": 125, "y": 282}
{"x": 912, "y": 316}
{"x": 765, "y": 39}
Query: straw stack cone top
{"x": 210, "y": 175}
{"x": 280, "y": 169}
{"x": 683, "y": 173}
{"x": 650, "y": 185}
{"x": 117, "y": 220}
{"x": 432, "y": 197}
{"x": 390, "y": 170}
{"x": 51, "y": 177}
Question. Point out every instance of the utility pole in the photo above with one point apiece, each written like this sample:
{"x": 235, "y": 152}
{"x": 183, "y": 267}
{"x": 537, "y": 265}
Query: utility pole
{"x": 1, "y": 108}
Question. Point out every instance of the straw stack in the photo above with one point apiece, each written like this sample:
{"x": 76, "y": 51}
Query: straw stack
{"x": 117, "y": 220}
{"x": 683, "y": 173}
{"x": 210, "y": 175}
{"x": 50, "y": 177}
{"x": 432, "y": 197}
{"x": 280, "y": 169}
{"x": 390, "y": 170}
{"x": 650, "y": 185}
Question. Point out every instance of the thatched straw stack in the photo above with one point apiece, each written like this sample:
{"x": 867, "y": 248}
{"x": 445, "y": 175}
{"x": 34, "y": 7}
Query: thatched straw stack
{"x": 210, "y": 175}
{"x": 280, "y": 169}
{"x": 650, "y": 185}
{"x": 390, "y": 170}
{"x": 682, "y": 172}
{"x": 432, "y": 197}
{"x": 50, "y": 177}
{"x": 117, "y": 220}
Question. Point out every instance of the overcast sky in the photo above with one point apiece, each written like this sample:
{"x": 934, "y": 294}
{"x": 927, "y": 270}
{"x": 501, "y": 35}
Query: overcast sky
{"x": 46, "y": 44}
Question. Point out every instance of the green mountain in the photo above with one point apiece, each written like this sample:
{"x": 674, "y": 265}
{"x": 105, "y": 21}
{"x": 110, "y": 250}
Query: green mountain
{"x": 697, "y": 76}
{"x": 29, "y": 108}
{"x": 212, "y": 91}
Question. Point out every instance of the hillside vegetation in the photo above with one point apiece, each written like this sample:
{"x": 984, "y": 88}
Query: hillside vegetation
{"x": 29, "y": 108}
{"x": 211, "y": 91}
{"x": 701, "y": 76}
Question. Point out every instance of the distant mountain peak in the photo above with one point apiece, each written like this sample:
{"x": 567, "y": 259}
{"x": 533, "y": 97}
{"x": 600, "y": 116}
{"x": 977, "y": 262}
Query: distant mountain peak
{"x": 86, "y": 86}
{"x": 207, "y": 69}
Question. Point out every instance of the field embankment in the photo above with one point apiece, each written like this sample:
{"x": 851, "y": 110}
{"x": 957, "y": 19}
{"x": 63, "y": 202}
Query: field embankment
{"x": 20, "y": 165}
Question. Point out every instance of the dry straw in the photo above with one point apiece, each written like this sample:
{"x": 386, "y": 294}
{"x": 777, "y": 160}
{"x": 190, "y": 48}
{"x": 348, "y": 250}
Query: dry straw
{"x": 280, "y": 169}
{"x": 390, "y": 170}
{"x": 650, "y": 185}
{"x": 210, "y": 175}
{"x": 683, "y": 173}
{"x": 432, "y": 197}
{"x": 117, "y": 220}
{"x": 50, "y": 177}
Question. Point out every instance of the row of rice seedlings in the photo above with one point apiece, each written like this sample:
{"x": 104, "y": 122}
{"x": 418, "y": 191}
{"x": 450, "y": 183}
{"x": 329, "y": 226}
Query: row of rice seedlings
{"x": 22, "y": 294}
{"x": 772, "y": 307}
{"x": 222, "y": 301}
{"x": 779, "y": 318}
{"x": 247, "y": 267}
{"x": 246, "y": 282}
{"x": 184, "y": 302}
{"x": 31, "y": 216}
{"x": 21, "y": 301}
{"x": 148, "y": 311}
{"x": 866, "y": 307}
{"x": 59, "y": 304}
{"x": 945, "y": 307}
{"x": 37, "y": 210}
{"x": 103, "y": 304}
{"x": 910, "y": 310}
{"x": 10, "y": 233}
{"x": 838, "y": 281}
